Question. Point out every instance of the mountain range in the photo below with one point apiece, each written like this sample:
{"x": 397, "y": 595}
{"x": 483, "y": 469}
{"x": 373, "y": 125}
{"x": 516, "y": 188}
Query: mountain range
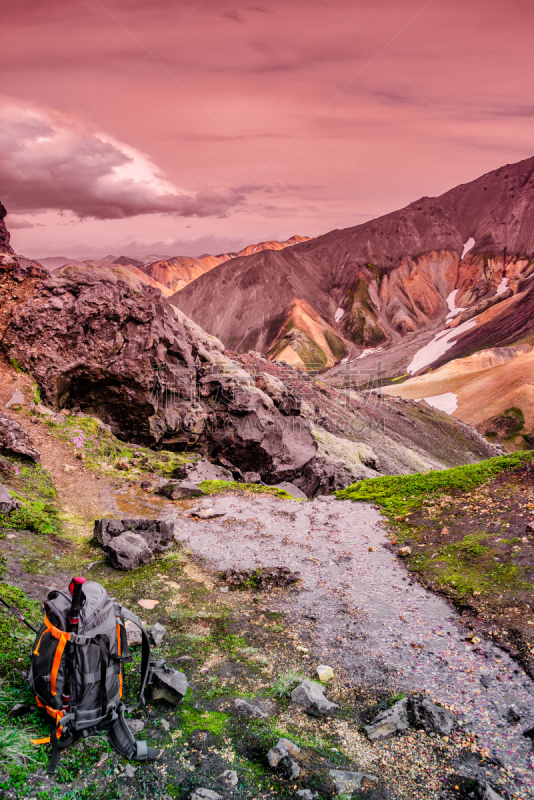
{"x": 398, "y": 296}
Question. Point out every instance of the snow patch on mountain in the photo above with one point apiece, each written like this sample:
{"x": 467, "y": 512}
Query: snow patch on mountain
{"x": 447, "y": 402}
{"x": 439, "y": 345}
{"x": 467, "y": 247}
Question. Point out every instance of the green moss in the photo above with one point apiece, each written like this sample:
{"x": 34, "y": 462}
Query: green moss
{"x": 336, "y": 345}
{"x": 360, "y": 323}
{"x": 16, "y": 365}
{"x": 99, "y": 449}
{"x": 33, "y": 516}
{"x": 15, "y": 637}
{"x": 215, "y": 487}
{"x": 397, "y": 494}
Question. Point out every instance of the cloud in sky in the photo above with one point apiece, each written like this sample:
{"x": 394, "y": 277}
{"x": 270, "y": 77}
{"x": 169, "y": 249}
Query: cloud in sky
{"x": 44, "y": 166}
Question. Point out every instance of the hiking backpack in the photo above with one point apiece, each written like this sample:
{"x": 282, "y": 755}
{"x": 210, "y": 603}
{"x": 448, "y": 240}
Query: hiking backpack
{"x": 77, "y": 669}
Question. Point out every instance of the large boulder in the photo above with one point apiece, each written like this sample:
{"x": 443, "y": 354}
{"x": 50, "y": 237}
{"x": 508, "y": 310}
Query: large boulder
{"x": 131, "y": 543}
{"x": 128, "y": 551}
{"x": 15, "y": 441}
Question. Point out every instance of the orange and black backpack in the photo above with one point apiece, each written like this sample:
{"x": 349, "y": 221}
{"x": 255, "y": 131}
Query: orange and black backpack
{"x": 77, "y": 669}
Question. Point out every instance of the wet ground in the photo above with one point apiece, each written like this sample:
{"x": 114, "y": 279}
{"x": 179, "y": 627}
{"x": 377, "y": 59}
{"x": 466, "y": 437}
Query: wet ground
{"x": 367, "y": 617}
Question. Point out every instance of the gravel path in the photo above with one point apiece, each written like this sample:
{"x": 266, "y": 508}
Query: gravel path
{"x": 372, "y": 621}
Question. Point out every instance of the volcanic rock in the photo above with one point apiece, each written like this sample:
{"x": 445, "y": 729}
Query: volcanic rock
{"x": 128, "y": 551}
{"x": 347, "y": 782}
{"x": 7, "y": 502}
{"x": 206, "y": 471}
{"x": 131, "y": 543}
{"x": 158, "y": 633}
{"x": 391, "y": 720}
{"x": 180, "y": 491}
{"x": 261, "y": 578}
{"x": 291, "y": 489}
{"x": 15, "y": 441}
{"x": 5, "y": 246}
{"x": 167, "y": 684}
{"x": 429, "y": 716}
{"x": 310, "y": 694}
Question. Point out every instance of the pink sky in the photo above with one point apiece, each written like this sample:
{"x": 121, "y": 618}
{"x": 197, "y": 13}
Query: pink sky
{"x": 189, "y": 127}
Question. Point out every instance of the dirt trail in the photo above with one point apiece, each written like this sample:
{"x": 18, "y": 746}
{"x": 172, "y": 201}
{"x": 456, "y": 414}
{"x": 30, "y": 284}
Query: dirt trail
{"x": 362, "y": 614}
{"x": 79, "y": 491}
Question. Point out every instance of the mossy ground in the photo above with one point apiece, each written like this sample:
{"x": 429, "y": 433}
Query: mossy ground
{"x": 467, "y": 528}
{"x": 100, "y": 450}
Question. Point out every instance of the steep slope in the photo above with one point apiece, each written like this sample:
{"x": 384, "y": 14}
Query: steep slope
{"x": 388, "y": 283}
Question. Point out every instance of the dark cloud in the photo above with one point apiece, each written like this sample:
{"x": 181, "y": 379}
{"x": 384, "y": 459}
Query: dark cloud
{"x": 234, "y": 15}
{"x": 43, "y": 168}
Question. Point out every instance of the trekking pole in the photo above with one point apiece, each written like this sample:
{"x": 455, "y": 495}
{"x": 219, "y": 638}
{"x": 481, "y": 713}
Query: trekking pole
{"x": 75, "y": 588}
{"x": 18, "y": 615}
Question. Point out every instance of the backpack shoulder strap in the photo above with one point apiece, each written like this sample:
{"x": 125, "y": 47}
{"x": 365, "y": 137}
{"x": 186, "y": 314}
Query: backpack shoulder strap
{"x": 145, "y": 655}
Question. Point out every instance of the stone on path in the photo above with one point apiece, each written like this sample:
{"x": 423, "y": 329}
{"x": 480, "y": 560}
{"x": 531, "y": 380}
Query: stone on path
{"x": 404, "y": 551}
{"x": 17, "y": 399}
{"x": 244, "y": 708}
{"x": 157, "y": 633}
{"x": 207, "y": 513}
{"x": 347, "y": 782}
{"x": 135, "y": 725}
{"x": 206, "y": 471}
{"x": 205, "y": 794}
{"x": 431, "y": 717}
{"x": 324, "y": 673}
{"x": 133, "y": 633}
{"x": 148, "y": 604}
{"x": 390, "y": 721}
{"x": 131, "y": 543}
{"x": 310, "y": 695}
{"x": 230, "y": 778}
{"x": 167, "y": 684}
{"x": 180, "y": 491}
{"x": 280, "y": 758}
{"x": 513, "y": 716}
{"x": 416, "y": 712}
{"x": 291, "y": 489}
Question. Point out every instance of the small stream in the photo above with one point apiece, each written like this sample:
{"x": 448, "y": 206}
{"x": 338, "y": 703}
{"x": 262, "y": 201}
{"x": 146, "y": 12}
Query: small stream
{"x": 371, "y": 619}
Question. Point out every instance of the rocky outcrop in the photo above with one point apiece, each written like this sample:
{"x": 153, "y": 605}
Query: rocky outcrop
{"x": 15, "y": 441}
{"x": 92, "y": 342}
{"x": 5, "y": 245}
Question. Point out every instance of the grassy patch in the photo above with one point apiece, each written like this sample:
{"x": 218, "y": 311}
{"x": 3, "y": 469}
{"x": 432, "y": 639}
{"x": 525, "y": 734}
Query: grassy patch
{"x": 214, "y": 487}
{"x": 101, "y": 450}
{"x": 32, "y": 486}
{"x": 397, "y": 494}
